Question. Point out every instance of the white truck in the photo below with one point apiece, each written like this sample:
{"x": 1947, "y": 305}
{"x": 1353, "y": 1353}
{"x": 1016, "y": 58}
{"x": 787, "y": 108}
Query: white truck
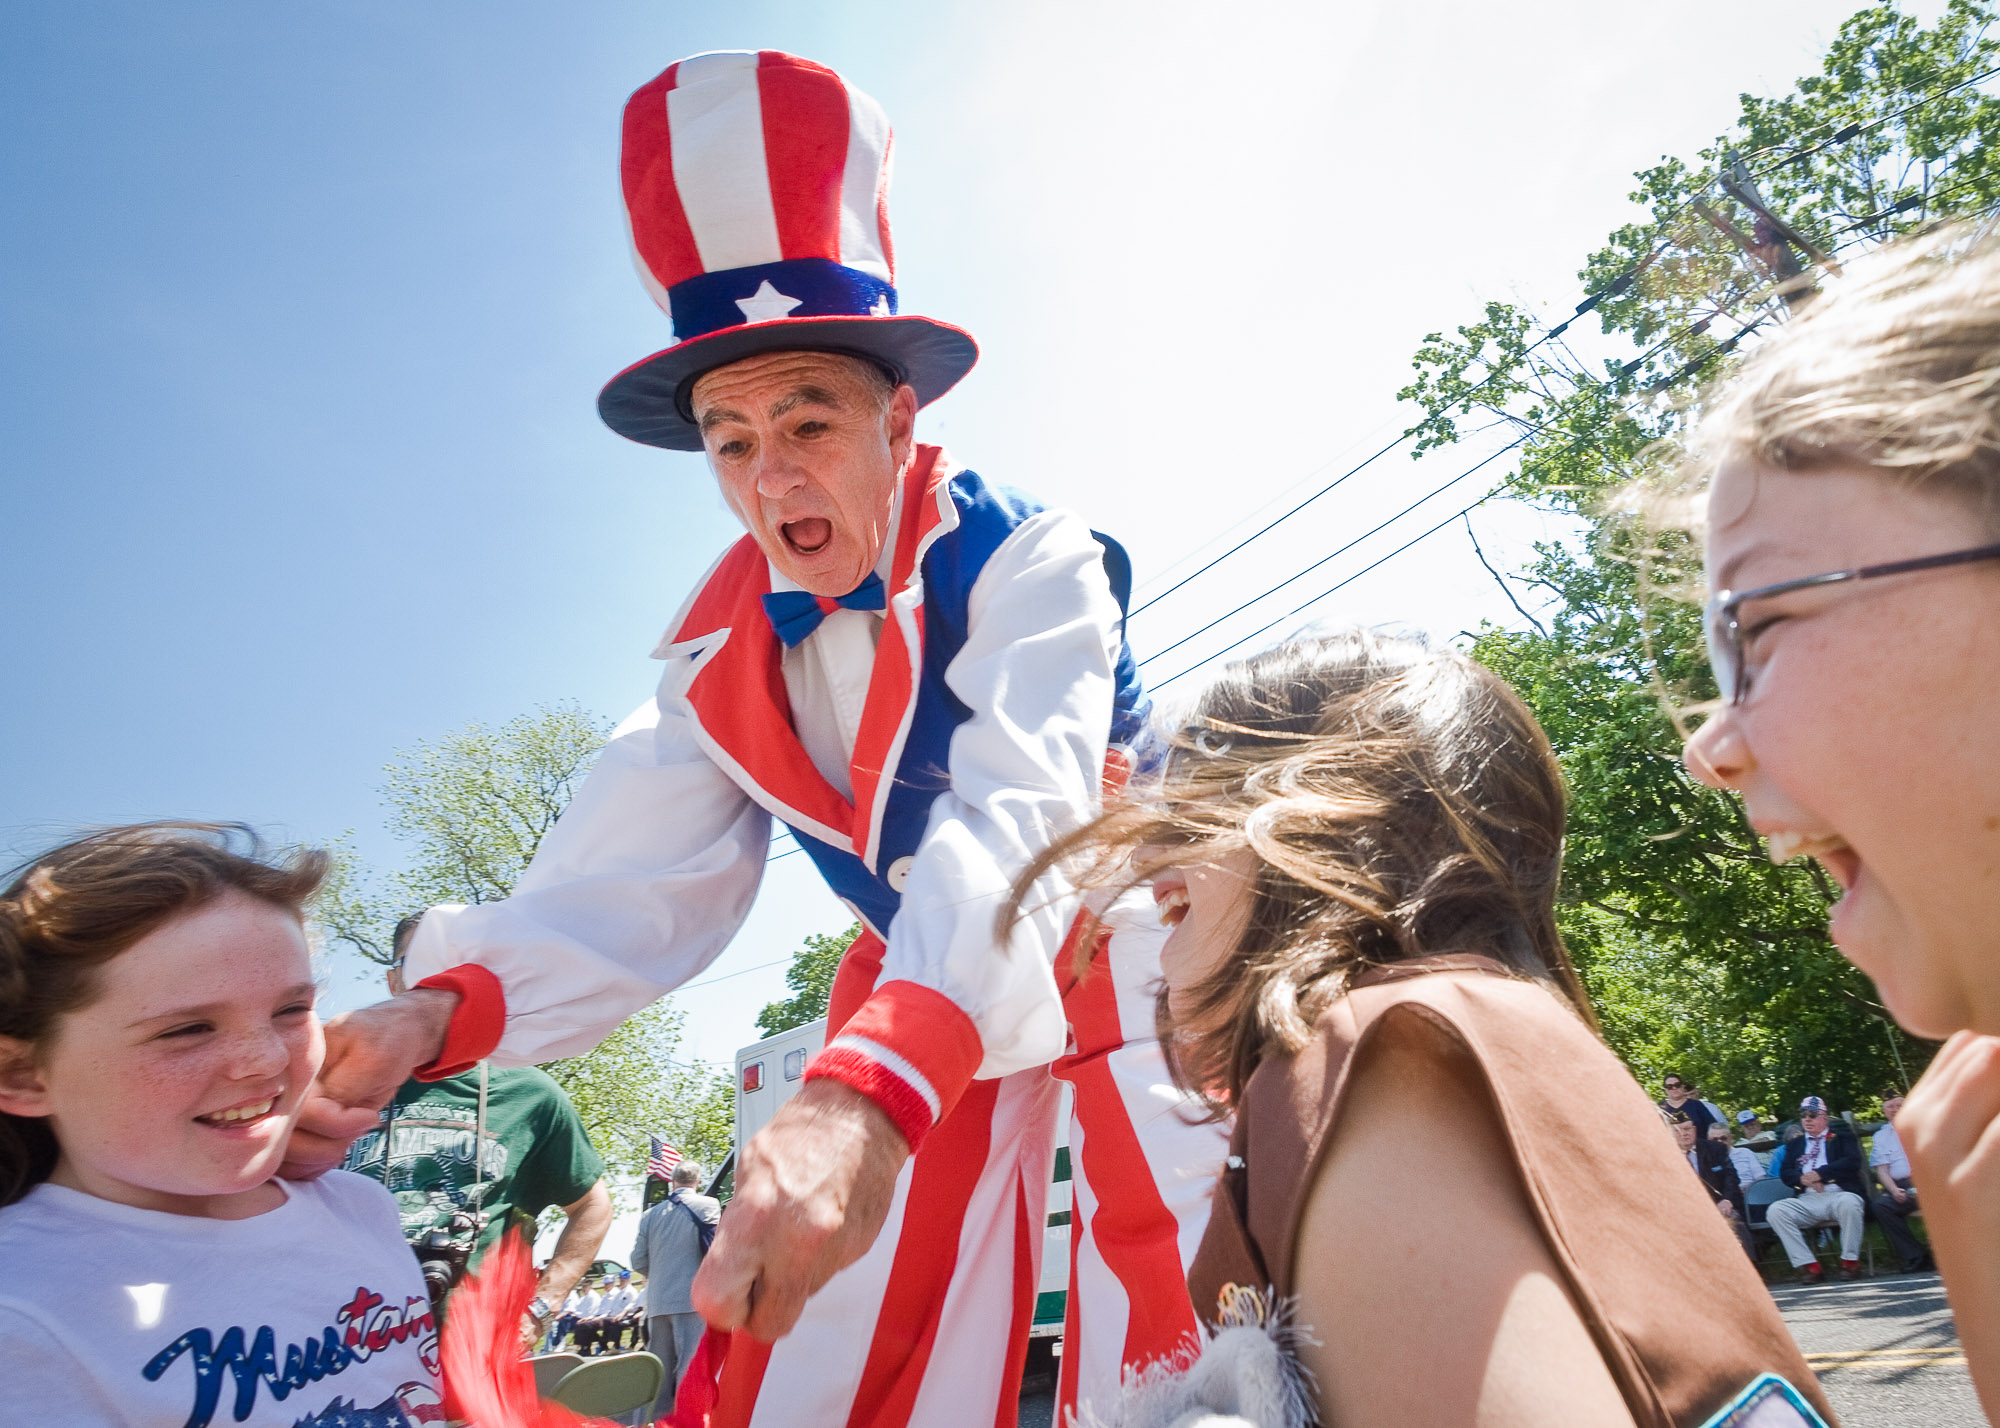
{"x": 770, "y": 1072}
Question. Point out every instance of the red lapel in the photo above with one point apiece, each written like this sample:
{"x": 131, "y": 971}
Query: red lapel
{"x": 885, "y": 719}
{"x": 737, "y": 692}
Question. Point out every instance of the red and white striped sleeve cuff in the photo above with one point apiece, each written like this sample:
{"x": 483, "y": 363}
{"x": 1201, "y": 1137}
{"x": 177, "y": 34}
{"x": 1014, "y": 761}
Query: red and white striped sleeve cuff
{"x": 476, "y": 1022}
{"x": 910, "y": 1050}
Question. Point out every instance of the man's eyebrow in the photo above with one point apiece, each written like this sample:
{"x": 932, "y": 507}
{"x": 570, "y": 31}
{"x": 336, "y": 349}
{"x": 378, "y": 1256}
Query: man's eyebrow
{"x": 208, "y": 1009}
{"x": 806, "y": 396}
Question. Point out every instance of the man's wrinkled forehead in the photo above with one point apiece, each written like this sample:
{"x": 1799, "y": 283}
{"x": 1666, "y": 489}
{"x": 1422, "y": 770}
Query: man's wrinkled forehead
{"x": 773, "y": 383}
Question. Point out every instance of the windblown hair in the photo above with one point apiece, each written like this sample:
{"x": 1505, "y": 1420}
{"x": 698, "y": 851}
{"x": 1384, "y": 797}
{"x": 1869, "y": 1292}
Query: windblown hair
{"x": 74, "y": 908}
{"x": 1897, "y": 368}
{"x": 1399, "y": 802}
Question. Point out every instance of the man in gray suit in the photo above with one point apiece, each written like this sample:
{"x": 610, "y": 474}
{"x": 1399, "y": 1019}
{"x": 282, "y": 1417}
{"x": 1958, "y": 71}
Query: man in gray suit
{"x": 673, "y": 1236}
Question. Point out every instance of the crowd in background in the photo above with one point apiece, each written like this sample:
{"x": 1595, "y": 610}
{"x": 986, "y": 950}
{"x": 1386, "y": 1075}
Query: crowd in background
{"x": 1815, "y": 1172}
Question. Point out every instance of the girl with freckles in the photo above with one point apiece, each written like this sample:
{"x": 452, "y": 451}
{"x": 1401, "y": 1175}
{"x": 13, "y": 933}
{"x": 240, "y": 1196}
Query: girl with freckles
{"x": 1851, "y": 476}
{"x": 157, "y": 1037}
{"x": 1455, "y": 1196}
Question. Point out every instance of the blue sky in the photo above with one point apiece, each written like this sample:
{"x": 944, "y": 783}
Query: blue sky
{"x": 307, "y": 307}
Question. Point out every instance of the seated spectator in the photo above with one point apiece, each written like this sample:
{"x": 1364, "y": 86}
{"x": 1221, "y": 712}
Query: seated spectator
{"x": 567, "y": 1322}
{"x": 1680, "y": 1100}
{"x": 604, "y": 1320}
{"x": 1897, "y": 1200}
{"x": 591, "y": 1317}
{"x": 1741, "y": 1158}
{"x": 625, "y": 1320}
{"x": 1824, "y": 1166}
{"x": 1751, "y": 1129}
{"x": 1710, "y": 1163}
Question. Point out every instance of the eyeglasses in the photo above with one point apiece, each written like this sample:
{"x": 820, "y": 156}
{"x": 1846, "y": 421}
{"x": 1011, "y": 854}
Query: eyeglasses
{"x": 1671, "y": 1085}
{"x": 1725, "y": 631}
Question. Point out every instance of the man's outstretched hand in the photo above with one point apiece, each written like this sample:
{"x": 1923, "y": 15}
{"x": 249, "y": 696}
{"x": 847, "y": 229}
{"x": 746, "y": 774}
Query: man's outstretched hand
{"x": 812, "y": 1190}
{"x": 369, "y": 1054}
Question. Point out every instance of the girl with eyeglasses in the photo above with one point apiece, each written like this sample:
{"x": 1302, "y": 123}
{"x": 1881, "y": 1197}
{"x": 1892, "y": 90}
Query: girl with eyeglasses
{"x": 1852, "y": 529}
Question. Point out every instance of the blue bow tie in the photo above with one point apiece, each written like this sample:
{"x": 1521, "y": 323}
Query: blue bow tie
{"x": 794, "y": 614}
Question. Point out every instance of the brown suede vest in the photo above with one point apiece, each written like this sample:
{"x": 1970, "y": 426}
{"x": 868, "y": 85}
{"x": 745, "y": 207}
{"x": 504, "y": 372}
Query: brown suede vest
{"x": 1679, "y": 1314}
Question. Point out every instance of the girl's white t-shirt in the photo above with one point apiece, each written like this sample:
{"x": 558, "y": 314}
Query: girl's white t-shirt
{"x": 312, "y": 1315}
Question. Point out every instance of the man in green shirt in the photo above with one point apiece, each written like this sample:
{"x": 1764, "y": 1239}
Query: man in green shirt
{"x": 533, "y": 1153}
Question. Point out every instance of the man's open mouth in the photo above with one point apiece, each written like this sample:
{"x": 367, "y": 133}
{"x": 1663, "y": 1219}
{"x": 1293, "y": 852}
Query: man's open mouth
{"x": 809, "y": 536}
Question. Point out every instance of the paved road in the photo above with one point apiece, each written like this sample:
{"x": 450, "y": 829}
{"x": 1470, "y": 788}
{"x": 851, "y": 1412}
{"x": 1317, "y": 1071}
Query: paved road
{"x": 1885, "y": 1350}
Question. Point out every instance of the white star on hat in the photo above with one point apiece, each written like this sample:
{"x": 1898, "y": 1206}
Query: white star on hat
{"x": 767, "y": 303}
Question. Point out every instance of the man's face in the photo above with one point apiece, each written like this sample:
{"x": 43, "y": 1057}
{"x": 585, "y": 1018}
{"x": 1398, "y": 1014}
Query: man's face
{"x": 1891, "y": 1108}
{"x": 1684, "y": 1134}
{"x": 807, "y": 455}
{"x": 1814, "y": 1123}
{"x": 1752, "y": 1127}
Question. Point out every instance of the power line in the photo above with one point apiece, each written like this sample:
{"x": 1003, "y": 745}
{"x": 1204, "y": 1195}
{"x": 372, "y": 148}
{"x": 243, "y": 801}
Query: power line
{"x": 1297, "y": 575}
{"x": 726, "y": 976}
{"x": 1455, "y": 515}
{"x": 1364, "y": 464}
{"x": 1856, "y": 129}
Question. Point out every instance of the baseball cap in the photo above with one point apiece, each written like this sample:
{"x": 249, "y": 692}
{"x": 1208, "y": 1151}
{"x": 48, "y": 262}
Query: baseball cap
{"x": 1743, "y": 1118}
{"x": 1812, "y": 1105}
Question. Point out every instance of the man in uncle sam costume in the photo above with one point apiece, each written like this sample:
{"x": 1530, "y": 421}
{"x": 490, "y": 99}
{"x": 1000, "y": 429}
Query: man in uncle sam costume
{"x": 924, "y": 677}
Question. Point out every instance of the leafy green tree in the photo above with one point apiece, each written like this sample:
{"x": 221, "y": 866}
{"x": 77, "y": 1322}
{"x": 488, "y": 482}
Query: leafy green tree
{"x": 472, "y": 808}
{"x": 1701, "y": 955}
{"x": 811, "y": 979}
{"x": 631, "y": 1085}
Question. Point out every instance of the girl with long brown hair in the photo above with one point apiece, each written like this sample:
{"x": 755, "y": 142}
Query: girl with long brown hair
{"x": 1461, "y": 1197}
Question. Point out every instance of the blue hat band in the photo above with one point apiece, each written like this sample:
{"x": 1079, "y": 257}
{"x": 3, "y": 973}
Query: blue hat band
{"x": 795, "y": 287}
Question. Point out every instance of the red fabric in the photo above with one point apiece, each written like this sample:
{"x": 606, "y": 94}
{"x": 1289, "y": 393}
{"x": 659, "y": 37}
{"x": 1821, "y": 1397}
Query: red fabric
{"x": 737, "y": 1383}
{"x": 882, "y": 203}
{"x": 853, "y": 981}
{"x": 941, "y": 1185}
{"x": 486, "y": 1380}
{"x": 902, "y": 1102}
{"x": 739, "y": 696}
{"x": 924, "y": 1027}
{"x": 660, "y": 232}
{"x": 476, "y": 1023}
{"x": 1131, "y": 1225}
{"x": 701, "y": 1385}
{"x": 1025, "y": 1234}
{"x": 892, "y": 690}
{"x": 805, "y": 113}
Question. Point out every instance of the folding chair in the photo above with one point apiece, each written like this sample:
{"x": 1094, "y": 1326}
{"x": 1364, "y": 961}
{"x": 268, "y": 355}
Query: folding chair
{"x": 1757, "y": 1201}
{"x": 612, "y": 1387}
{"x": 550, "y": 1368}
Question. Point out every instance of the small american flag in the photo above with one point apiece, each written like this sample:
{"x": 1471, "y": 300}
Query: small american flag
{"x": 663, "y": 1159}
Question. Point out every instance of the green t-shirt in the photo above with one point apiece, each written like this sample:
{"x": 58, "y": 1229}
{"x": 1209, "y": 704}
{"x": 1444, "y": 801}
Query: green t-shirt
{"x": 535, "y": 1153}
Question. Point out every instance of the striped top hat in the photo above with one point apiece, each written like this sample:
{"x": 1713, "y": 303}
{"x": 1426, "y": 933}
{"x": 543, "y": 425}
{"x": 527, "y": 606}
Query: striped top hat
{"x": 757, "y": 186}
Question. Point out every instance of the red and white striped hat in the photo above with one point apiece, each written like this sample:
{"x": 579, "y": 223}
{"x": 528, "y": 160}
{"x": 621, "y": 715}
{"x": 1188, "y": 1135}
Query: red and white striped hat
{"x": 757, "y": 187}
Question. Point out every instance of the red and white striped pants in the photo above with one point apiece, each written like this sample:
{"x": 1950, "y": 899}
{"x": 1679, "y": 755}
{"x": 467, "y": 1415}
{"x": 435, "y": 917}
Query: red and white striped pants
{"x": 929, "y": 1329}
